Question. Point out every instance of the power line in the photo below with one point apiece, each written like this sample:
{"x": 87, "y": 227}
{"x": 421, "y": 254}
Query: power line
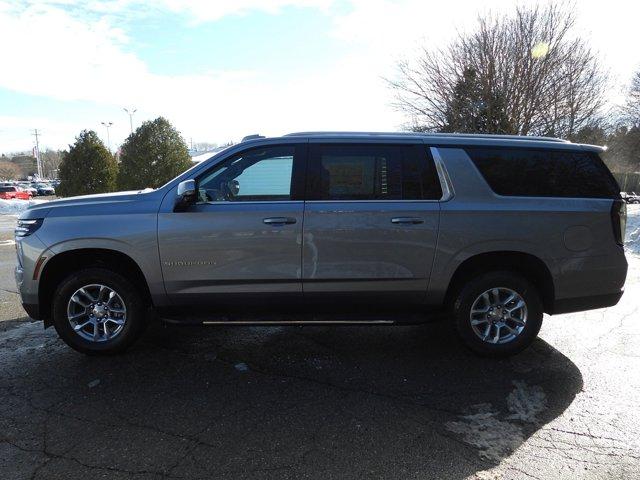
{"x": 38, "y": 162}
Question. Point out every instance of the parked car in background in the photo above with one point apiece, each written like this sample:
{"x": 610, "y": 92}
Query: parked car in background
{"x": 45, "y": 189}
{"x": 492, "y": 231}
{"x": 28, "y": 188}
{"x": 11, "y": 192}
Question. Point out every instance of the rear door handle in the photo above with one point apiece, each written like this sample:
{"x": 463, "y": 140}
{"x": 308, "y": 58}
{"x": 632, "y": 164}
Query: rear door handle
{"x": 407, "y": 220}
{"x": 278, "y": 220}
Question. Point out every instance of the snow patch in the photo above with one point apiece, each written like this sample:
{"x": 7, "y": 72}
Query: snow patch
{"x": 632, "y": 239}
{"x": 16, "y": 207}
{"x": 494, "y": 438}
{"x": 496, "y": 435}
{"x": 525, "y": 403}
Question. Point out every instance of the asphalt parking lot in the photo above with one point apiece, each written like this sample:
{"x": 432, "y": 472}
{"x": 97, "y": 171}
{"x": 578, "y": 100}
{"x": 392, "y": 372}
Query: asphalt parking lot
{"x": 310, "y": 402}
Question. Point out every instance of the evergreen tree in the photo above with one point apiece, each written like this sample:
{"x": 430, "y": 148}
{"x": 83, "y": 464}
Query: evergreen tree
{"x": 474, "y": 109}
{"x": 88, "y": 167}
{"x": 152, "y": 155}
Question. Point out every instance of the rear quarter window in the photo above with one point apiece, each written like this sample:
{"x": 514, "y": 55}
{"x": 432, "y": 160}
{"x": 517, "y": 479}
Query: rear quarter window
{"x": 544, "y": 173}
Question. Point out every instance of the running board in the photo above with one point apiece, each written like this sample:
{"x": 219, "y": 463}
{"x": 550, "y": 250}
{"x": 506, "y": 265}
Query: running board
{"x": 298, "y": 322}
{"x": 266, "y": 319}
{"x": 257, "y": 322}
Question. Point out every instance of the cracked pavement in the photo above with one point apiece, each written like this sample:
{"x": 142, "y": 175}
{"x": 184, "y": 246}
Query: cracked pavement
{"x": 316, "y": 402}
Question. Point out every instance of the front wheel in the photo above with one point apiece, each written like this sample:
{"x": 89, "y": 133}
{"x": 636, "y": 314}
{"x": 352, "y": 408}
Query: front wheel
{"x": 98, "y": 311}
{"x": 498, "y": 314}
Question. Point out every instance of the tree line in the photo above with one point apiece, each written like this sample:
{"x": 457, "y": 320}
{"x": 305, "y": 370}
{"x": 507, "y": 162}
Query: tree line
{"x": 152, "y": 155}
{"x": 530, "y": 72}
{"x": 20, "y": 166}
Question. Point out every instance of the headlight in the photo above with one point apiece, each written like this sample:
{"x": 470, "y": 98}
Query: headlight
{"x": 27, "y": 227}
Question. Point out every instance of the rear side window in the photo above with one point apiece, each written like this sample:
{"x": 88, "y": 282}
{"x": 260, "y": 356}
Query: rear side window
{"x": 544, "y": 173}
{"x": 371, "y": 172}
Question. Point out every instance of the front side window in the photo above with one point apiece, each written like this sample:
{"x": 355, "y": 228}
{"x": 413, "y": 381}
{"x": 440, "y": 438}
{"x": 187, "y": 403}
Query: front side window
{"x": 371, "y": 172}
{"x": 261, "y": 174}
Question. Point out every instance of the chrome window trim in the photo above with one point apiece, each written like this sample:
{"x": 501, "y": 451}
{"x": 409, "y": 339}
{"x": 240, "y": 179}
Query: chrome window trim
{"x": 373, "y": 201}
{"x": 443, "y": 175}
{"x": 241, "y": 202}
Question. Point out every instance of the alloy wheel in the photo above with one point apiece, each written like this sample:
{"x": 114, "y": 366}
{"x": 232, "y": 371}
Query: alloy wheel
{"x": 498, "y": 315}
{"x": 96, "y": 313}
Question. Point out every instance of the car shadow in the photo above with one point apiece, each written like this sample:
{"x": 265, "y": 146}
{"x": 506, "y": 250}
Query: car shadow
{"x": 282, "y": 402}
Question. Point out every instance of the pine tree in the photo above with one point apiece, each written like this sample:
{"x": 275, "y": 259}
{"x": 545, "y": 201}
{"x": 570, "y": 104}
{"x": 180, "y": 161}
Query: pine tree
{"x": 152, "y": 155}
{"x": 474, "y": 110}
{"x": 88, "y": 167}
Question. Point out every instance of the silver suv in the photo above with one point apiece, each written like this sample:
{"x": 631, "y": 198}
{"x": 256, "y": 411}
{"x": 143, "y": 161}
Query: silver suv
{"x": 335, "y": 228}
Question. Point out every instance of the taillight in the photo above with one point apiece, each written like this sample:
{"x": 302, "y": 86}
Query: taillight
{"x": 619, "y": 220}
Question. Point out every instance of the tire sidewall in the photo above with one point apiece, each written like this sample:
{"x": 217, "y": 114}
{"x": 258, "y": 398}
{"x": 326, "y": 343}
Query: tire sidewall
{"x": 129, "y": 294}
{"x": 479, "y": 285}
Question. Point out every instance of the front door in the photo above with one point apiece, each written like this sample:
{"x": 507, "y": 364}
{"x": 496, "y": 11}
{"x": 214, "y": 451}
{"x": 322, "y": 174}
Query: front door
{"x": 244, "y": 234}
{"x": 370, "y": 222}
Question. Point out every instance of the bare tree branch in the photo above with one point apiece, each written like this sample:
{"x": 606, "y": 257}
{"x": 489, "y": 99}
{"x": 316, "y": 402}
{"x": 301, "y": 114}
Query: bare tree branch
{"x": 525, "y": 73}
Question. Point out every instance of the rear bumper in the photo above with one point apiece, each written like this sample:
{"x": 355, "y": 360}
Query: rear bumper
{"x": 579, "y": 304}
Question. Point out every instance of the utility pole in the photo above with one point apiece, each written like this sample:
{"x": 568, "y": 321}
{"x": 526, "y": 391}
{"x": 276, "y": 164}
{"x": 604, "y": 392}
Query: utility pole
{"x": 38, "y": 162}
{"x": 108, "y": 124}
{"x": 130, "y": 113}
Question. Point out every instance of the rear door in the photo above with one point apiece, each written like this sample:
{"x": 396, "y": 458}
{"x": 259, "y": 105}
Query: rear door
{"x": 244, "y": 234}
{"x": 371, "y": 220}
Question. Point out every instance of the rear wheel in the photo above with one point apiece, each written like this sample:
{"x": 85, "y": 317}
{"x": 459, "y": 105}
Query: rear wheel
{"x": 498, "y": 314}
{"x": 98, "y": 311}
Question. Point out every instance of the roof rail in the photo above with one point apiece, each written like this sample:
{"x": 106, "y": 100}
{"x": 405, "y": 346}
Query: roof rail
{"x": 432, "y": 135}
{"x": 253, "y": 136}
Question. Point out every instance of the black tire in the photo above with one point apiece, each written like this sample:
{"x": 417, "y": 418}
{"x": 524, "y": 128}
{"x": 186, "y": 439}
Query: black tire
{"x": 474, "y": 289}
{"x": 133, "y": 302}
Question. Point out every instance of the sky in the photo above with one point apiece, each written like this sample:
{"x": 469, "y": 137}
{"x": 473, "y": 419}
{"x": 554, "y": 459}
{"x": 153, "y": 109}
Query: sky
{"x": 223, "y": 69}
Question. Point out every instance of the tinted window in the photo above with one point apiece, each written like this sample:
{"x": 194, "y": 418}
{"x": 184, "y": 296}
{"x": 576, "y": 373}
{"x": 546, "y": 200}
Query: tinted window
{"x": 371, "y": 172}
{"x": 7, "y": 189}
{"x": 263, "y": 174}
{"x": 544, "y": 173}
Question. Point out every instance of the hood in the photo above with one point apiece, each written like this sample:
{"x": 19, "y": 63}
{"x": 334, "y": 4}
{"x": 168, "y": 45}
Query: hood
{"x": 89, "y": 202}
{"x": 96, "y": 197}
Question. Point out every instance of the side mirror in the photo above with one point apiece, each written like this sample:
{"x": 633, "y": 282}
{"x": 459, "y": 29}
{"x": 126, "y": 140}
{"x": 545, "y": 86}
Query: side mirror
{"x": 186, "y": 194}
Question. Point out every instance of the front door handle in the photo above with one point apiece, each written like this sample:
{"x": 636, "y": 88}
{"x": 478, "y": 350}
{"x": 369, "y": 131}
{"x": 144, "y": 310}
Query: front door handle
{"x": 407, "y": 220}
{"x": 278, "y": 220}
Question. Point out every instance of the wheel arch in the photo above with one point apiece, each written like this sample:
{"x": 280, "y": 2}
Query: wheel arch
{"x": 64, "y": 263}
{"x": 529, "y": 266}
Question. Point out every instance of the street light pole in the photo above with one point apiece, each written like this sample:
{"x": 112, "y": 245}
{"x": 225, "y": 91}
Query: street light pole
{"x": 107, "y": 125}
{"x": 130, "y": 113}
